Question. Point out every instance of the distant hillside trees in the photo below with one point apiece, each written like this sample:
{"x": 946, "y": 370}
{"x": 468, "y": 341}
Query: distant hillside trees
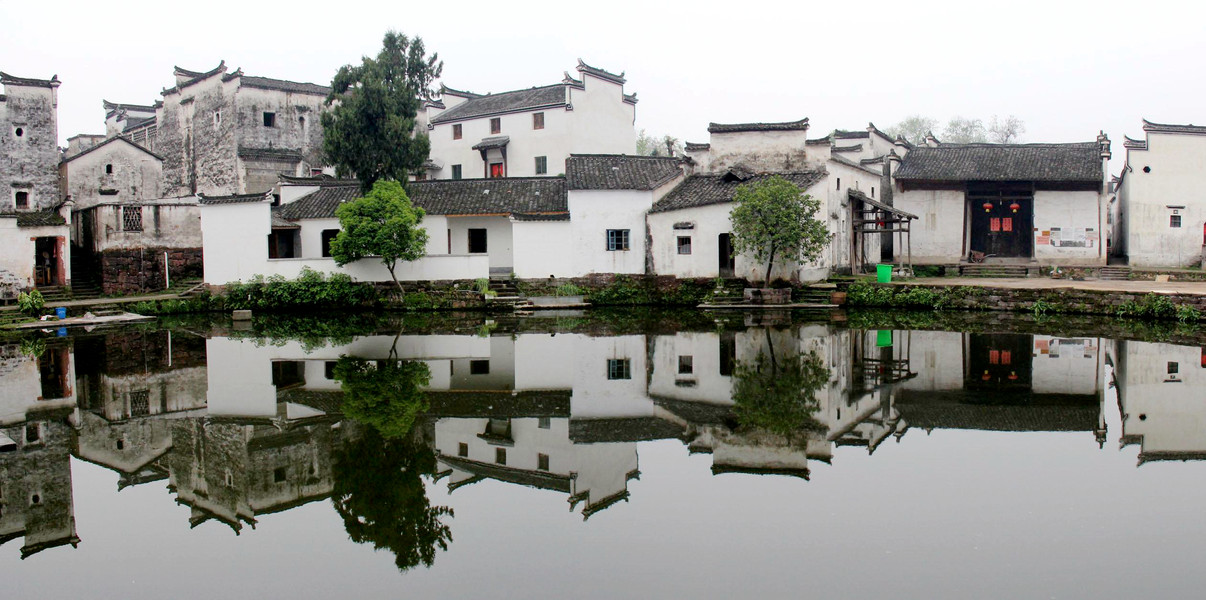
{"x": 961, "y": 130}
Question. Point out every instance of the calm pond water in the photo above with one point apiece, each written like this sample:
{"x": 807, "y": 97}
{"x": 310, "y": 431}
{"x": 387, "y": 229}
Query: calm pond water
{"x": 600, "y": 456}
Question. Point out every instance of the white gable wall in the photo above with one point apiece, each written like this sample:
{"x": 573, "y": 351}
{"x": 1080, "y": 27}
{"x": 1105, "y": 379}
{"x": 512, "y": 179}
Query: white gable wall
{"x": 593, "y": 212}
{"x": 1177, "y": 163}
{"x": 1075, "y": 213}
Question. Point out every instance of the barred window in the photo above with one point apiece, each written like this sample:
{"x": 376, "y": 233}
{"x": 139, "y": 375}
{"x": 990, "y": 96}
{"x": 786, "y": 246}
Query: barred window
{"x": 617, "y": 239}
{"x": 538, "y": 120}
{"x": 131, "y": 218}
{"x": 619, "y": 368}
{"x": 684, "y": 244}
{"x": 140, "y": 403}
{"x": 542, "y": 165}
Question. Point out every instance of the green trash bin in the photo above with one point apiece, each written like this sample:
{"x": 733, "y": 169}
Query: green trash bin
{"x": 883, "y": 338}
{"x": 884, "y": 273}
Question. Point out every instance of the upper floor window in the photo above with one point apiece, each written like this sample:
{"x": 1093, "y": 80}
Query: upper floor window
{"x": 19, "y": 132}
{"x": 1174, "y": 220}
{"x": 456, "y": 171}
{"x": 538, "y": 120}
{"x": 109, "y": 169}
{"x": 619, "y": 368}
{"x": 839, "y": 183}
{"x": 496, "y": 125}
{"x": 456, "y": 131}
{"x": 617, "y": 239}
{"x": 497, "y": 170}
{"x": 22, "y": 200}
{"x": 217, "y": 118}
{"x": 269, "y": 119}
{"x": 542, "y": 165}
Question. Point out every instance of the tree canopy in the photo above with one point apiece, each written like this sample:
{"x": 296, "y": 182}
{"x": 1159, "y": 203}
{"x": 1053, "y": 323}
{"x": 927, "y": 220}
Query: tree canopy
{"x": 779, "y": 394}
{"x": 385, "y": 394}
{"x": 961, "y": 130}
{"x": 369, "y": 128}
{"x": 653, "y": 145}
{"x": 382, "y": 224}
{"x": 773, "y": 219}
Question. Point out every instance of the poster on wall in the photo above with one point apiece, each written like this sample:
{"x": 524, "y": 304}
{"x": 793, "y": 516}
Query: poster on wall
{"x": 1073, "y": 237}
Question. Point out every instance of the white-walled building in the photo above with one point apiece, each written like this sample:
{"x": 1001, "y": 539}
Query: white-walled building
{"x": 1161, "y": 207}
{"x": 1160, "y": 401}
{"x": 529, "y": 132}
{"x": 1041, "y": 204}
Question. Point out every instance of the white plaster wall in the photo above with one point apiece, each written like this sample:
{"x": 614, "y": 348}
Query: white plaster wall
{"x": 939, "y": 229}
{"x": 236, "y": 249}
{"x": 240, "y": 378}
{"x": 541, "y": 249}
{"x": 592, "y": 213}
{"x": 545, "y": 361}
{"x": 704, "y": 383}
{"x": 526, "y": 143}
{"x": 602, "y": 123}
{"x": 936, "y": 357}
{"x": 311, "y": 234}
{"x": 1177, "y": 163}
{"x": 760, "y": 150}
{"x": 500, "y": 375}
{"x": 498, "y": 239}
{"x": 17, "y": 257}
{"x": 595, "y": 396}
{"x": 1166, "y": 409}
{"x": 164, "y": 225}
{"x": 1070, "y": 365}
{"x": 1070, "y": 211}
{"x": 21, "y": 386}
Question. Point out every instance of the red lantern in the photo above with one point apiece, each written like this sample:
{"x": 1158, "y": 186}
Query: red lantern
{"x": 1013, "y": 376}
{"x": 987, "y": 206}
{"x": 1015, "y": 206}
{"x": 986, "y": 376}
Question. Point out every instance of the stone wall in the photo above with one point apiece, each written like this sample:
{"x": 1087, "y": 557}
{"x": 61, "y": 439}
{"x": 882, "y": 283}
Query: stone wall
{"x": 29, "y": 139}
{"x": 135, "y": 271}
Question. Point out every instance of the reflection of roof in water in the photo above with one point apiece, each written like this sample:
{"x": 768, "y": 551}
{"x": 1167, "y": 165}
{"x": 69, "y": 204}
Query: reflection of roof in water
{"x": 697, "y": 413}
{"x": 1044, "y": 412}
{"x": 466, "y": 404}
{"x": 802, "y": 473}
{"x": 639, "y": 429}
{"x": 536, "y": 479}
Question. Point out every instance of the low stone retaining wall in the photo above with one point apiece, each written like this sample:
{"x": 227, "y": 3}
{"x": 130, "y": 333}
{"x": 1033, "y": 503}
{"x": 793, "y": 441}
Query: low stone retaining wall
{"x": 134, "y": 271}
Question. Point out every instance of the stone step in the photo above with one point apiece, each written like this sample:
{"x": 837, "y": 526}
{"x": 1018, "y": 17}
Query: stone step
{"x": 1017, "y": 271}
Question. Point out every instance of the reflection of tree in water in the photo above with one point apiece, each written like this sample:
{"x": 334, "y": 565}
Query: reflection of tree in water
{"x": 385, "y": 394}
{"x": 778, "y": 394}
{"x": 379, "y": 488}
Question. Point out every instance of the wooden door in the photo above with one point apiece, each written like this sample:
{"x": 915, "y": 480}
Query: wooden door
{"x": 726, "y": 261}
{"x": 1003, "y": 227}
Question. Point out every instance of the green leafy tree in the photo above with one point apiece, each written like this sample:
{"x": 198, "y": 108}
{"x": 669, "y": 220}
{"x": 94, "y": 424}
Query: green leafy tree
{"x": 773, "y": 219}
{"x": 382, "y": 224}
{"x": 369, "y": 125}
{"x": 779, "y": 395}
{"x": 385, "y": 394}
{"x": 380, "y": 494}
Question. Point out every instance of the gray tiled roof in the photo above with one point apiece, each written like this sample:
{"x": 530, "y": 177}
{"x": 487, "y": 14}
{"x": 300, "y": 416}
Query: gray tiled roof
{"x": 321, "y": 203}
{"x": 233, "y": 199}
{"x": 106, "y": 143}
{"x": 510, "y": 195}
{"x": 600, "y": 73}
{"x": 270, "y": 153}
{"x": 696, "y": 147}
{"x": 843, "y": 134}
{"x": 7, "y": 79}
{"x": 1003, "y": 162}
{"x": 1134, "y": 144}
{"x": 133, "y": 124}
{"x": 527, "y": 198}
{"x": 498, "y": 141}
{"x": 620, "y": 172}
{"x": 38, "y": 218}
{"x": 1168, "y": 128}
{"x": 704, "y": 190}
{"x": 851, "y": 148}
{"x": 492, "y": 104}
{"x": 800, "y": 125}
{"x": 267, "y": 83}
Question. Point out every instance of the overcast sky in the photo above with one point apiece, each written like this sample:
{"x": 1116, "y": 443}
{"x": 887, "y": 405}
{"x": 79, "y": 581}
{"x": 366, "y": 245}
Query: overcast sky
{"x": 1066, "y": 70}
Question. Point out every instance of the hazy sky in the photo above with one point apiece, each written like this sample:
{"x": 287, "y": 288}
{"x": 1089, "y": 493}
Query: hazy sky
{"x": 1066, "y": 70}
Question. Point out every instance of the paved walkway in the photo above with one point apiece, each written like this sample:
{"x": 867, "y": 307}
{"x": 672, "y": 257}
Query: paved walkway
{"x": 1044, "y": 283}
{"x": 102, "y": 301}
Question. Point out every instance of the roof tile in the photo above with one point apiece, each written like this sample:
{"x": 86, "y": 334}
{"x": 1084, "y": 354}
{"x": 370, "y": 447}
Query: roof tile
{"x": 620, "y": 172}
{"x": 705, "y": 190}
{"x": 1003, "y": 162}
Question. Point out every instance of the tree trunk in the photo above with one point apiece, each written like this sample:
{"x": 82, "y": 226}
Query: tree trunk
{"x": 390, "y": 267}
{"x": 770, "y": 263}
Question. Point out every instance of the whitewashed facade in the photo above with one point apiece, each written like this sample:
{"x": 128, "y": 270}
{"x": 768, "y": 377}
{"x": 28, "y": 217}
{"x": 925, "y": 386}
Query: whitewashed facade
{"x": 530, "y": 132}
{"x": 1161, "y": 207}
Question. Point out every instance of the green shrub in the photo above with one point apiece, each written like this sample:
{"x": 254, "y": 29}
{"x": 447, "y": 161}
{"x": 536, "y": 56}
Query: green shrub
{"x": 31, "y": 303}
{"x": 310, "y": 290}
{"x": 568, "y": 289}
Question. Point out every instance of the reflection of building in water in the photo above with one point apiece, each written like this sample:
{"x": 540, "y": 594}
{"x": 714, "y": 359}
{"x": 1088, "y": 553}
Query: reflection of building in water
{"x": 132, "y": 384}
{"x": 1160, "y": 398}
{"x": 36, "y": 402}
{"x": 1002, "y": 382}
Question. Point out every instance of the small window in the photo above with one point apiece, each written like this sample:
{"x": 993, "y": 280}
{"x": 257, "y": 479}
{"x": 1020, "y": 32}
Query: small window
{"x": 456, "y": 131}
{"x": 477, "y": 241}
{"x": 22, "y": 200}
{"x": 500, "y": 456}
{"x": 35, "y": 499}
{"x": 686, "y": 365}
{"x": 462, "y": 450}
{"x": 278, "y": 475}
{"x": 544, "y": 422}
{"x": 1174, "y": 368}
{"x": 684, "y": 244}
{"x": 269, "y": 119}
{"x": 872, "y": 191}
{"x": 108, "y": 169}
{"x": 301, "y": 122}
{"x": 456, "y": 172}
{"x": 328, "y": 370}
{"x": 315, "y": 172}
{"x": 131, "y": 218}
{"x": 542, "y": 462}
{"x": 619, "y": 368}
{"x": 617, "y": 240}
{"x": 496, "y": 125}
{"x": 121, "y": 444}
{"x": 33, "y": 433}
{"x": 479, "y": 367}
{"x": 496, "y": 170}
{"x": 839, "y": 183}
{"x": 538, "y": 120}
{"x": 328, "y": 236}
{"x": 542, "y": 165}
{"x": 217, "y": 118}
{"x": 19, "y": 132}
{"x": 1174, "y": 220}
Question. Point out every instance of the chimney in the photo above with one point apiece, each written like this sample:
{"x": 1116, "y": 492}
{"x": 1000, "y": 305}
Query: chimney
{"x": 900, "y": 147}
{"x": 1103, "y": 141}
{"x": 930, "y": 140}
